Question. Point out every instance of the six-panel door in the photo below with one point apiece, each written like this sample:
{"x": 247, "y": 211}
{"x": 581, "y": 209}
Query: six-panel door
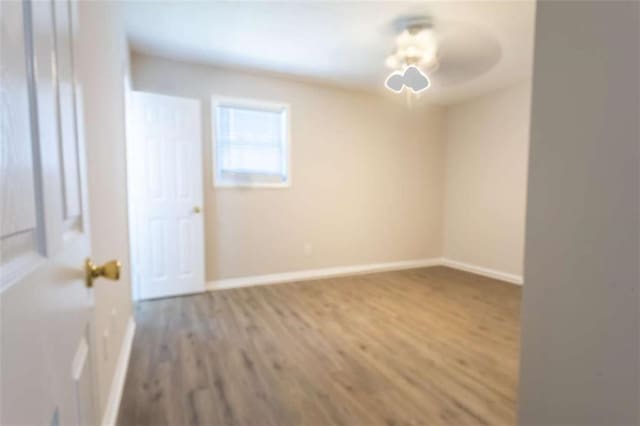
{"x": 46, "y": 352}
{"x": 166, "y": 180}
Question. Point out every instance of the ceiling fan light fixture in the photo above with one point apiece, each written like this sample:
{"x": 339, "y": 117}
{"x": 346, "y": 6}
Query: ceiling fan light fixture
{"x": 393, "y": 62}
{"x": 417, "y": 47}
{"x": 410, "y": 78}
{"x": 415, "y": 55}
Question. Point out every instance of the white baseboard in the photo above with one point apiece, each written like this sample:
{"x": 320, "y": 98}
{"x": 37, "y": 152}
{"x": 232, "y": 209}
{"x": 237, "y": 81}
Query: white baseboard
{"x": 117, "y": 383}
{"x": 339, "y": 271}
{"x": 312, "y": 274}
{"x": 479, "y": 270}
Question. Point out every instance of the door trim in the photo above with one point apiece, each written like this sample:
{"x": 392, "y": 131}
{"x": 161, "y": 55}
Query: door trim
{"x": 110, "y": 416}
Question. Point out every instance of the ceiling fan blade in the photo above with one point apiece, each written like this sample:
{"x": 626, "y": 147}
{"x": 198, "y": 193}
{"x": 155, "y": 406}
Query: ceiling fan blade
{"x": 464, "y": 52}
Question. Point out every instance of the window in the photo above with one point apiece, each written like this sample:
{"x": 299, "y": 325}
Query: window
{"x": 251, "y": 143}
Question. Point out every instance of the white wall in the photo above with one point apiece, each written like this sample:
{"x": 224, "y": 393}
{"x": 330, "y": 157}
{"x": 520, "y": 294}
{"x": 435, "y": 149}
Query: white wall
{"x": 367, "y": 176}
{"x": 486, "y": 172}
{"x": 102, "y": 62}
{"x": 581, "y": 307}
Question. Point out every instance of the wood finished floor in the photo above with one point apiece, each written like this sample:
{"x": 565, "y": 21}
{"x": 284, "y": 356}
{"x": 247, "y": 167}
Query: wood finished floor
{"x": 428, "y": 346}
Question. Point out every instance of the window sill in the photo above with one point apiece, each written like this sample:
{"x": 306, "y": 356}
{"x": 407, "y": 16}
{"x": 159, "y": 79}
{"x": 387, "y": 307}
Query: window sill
{"x": 249, "y": 185}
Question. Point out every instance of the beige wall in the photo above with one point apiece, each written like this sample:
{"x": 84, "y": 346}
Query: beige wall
{"x": 367, "y": 177}
{"x": 102, "y": 61}
{"x": 580, "y": 320}
{"x": 486, "y": 167}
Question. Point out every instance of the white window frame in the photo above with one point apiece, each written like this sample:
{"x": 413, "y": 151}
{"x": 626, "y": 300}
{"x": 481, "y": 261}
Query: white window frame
{"x": 217, "y": 101}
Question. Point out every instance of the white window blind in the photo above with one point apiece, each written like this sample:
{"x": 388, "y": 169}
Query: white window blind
{"x": 251, "y": 143}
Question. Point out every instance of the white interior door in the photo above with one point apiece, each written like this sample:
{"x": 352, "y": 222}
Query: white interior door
{"x": 166, "y": 160}
{"x": 46, "y": 309}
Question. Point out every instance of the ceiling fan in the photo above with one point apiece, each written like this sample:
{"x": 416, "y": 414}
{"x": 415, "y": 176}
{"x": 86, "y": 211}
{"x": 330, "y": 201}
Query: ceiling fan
{"x": 439, "y": 52}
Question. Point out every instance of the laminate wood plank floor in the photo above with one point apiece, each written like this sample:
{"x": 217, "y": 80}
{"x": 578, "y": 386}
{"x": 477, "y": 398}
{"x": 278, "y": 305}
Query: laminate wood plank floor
{"x": 430, "y": 346}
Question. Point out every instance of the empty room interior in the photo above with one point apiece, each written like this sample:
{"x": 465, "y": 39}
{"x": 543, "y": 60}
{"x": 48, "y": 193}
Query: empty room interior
{"x": 347, "y": 236}
{"x": 320, "y": 213}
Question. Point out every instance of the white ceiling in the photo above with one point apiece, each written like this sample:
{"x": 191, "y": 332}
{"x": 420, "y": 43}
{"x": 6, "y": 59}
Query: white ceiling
{"x": 342, "y": 43}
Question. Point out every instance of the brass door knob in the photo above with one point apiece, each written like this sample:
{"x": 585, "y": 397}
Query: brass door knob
{"x": 110, "y": 270}
{"x": 196, "y": 210}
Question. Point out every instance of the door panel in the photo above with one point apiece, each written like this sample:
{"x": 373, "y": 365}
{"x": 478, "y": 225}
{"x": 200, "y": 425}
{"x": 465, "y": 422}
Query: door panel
{"x": 157, "y": 180}
{"x": 17, "y": 202}
{"x": 46, "y": 349}
{"x": 83, "y": 383}
{"x": 164, "y": 135}
{"x": 183, "y": 156}
{"x": 67, "y": 115}
{"x": 158, "y": 248}
{"x": 47, "y": 157}
{"x": 185, "y": 266}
